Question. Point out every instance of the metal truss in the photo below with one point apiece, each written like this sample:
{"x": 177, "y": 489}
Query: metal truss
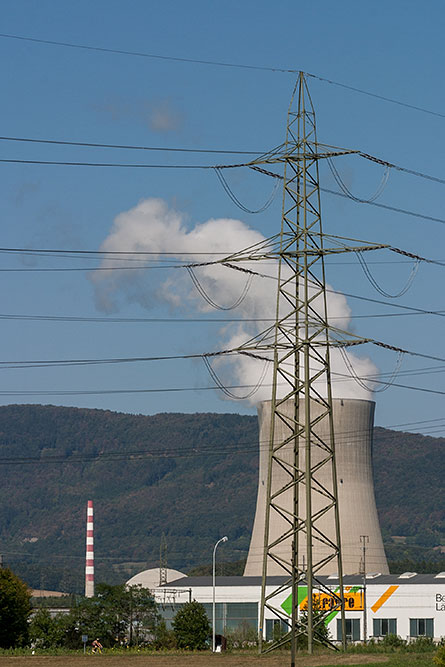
{"x": 302, "y": 361}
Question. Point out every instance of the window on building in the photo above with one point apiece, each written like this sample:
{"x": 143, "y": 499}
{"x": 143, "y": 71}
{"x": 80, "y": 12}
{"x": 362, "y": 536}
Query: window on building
{"x": 384, "y": 626}
{"x": 233, "y": 615}
{"x": 352, "y": 629}
{"x": 276, "y": 628}
{"x": 421, "y": 627}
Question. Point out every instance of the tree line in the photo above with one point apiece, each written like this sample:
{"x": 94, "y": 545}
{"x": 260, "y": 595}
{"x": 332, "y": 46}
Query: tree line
{"x": 117, "y": 616}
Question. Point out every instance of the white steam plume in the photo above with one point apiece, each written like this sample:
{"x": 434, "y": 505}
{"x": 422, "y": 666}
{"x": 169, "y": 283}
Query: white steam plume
{"x": 153, "y": 227}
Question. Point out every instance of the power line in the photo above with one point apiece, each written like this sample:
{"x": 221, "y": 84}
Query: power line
{"x": 127, "y": 165}
{"x": 387, "y": 207}
{"x": 173, "y": 452}
{"x": 53, "y": 251}
{"x": 341, "y": 377}
{"x": 142, "y": 54}
{"x": 216, "y": 63}
{"x": 89, "y": 144}
{"x": 383, "y": 98}
{"x": 176, "y": 320}
{"x": 116, "y": 360}
{"x": 107, "y": 164}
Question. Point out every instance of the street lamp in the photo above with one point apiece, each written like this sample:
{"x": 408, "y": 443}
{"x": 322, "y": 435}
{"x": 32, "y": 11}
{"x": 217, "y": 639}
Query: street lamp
{"x": 223, "y": 539}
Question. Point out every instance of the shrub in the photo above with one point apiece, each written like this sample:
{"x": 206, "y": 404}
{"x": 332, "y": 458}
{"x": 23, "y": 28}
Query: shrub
{"x": 393, "y": 641}
{"x": 15, "y": 608}
{"x": 439, "y": 657}
{"x": 244, "y": 636}
{"x": 191, "y": 627}
{"x": 421, "y": 645}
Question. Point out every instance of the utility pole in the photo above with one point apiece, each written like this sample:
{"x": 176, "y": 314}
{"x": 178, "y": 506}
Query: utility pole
{"x": 364, "y": 540}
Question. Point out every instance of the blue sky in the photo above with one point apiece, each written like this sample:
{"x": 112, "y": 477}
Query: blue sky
{"x": 393, "y": 49}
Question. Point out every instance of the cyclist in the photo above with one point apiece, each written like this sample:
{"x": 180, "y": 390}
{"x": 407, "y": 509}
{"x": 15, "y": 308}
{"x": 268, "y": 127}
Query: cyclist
{"x": 97, "y": 646}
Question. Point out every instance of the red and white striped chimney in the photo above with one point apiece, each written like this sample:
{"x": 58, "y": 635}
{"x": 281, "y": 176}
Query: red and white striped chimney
{"x": 89, "y": 561}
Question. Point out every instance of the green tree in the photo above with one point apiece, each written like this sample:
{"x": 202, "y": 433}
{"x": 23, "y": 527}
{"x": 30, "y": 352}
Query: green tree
{"x": 46, "y": 631}
{"x": 144, "y": 618}
{"x": 191, "y": 626}
{"x": 321, "y": 631}
{"x": 15, "y": 608}
{"x": 116, "y": 614}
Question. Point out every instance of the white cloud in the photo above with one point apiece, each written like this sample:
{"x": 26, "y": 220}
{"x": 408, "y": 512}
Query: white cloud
{"x": 153, "y": 227}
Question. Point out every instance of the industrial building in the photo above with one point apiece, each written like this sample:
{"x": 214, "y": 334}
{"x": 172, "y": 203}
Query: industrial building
{"x": 377, "y": 603}
{"x": 410, "y": 605}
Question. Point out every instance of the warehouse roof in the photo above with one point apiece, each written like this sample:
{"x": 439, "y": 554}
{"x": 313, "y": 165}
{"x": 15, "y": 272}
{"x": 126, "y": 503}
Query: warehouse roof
{"x": 348, "y": 580}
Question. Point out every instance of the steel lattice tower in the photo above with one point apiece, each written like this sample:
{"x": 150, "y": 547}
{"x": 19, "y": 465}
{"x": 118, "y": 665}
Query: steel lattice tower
{"x": 299, "y": 343}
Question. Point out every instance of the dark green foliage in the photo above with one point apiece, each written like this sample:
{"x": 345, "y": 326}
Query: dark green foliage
{"x": 420, "y": 566}
{"x": 181, "y": 486}
{"x": 15, "y": 608}
{"x": 244, "y": 636}
{"x": 439, "y": 656}
{"x": 322, "y": 636}
{"x": 116, "y": 615}
{"x": 222, "y": 569}
{"x": 191, "y": 627}
{"x": 195, "y": 478}
{"x": 46, "y": 631}
{"x": 408, "y": 476}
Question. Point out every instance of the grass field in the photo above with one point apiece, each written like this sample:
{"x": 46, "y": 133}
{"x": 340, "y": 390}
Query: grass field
{"x": 226, "y": 660}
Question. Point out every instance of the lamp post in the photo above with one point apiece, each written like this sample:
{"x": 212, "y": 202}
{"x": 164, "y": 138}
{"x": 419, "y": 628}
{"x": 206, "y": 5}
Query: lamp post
{"x": 223, "y": 539}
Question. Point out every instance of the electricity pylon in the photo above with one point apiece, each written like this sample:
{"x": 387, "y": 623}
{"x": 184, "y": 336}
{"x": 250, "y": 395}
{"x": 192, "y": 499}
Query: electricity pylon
{"x": 302, "y": 530}
{"x": 301, "y": 459}
{"x": 302, "y": 361}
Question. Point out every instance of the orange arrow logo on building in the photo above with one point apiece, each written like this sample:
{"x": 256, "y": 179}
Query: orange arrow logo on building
{"x": 383, "y": 598}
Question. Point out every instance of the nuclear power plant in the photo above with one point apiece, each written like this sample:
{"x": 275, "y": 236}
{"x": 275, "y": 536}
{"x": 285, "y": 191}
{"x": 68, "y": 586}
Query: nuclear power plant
{"x": 353, "y": 426}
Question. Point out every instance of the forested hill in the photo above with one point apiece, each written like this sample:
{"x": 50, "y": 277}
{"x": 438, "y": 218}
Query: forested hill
{"x": 192, "y": 477}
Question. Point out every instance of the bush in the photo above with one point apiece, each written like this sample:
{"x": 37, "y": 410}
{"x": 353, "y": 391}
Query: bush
{"x": 439, "y": 657}
{"x": 191, "y": 627}
{"x": 393, "y": 641}
{"x": 244, "y": 636}
{"x": 164, "y": 638}
{"x": 421, "y": 645}
{"x": 15, "y": 608}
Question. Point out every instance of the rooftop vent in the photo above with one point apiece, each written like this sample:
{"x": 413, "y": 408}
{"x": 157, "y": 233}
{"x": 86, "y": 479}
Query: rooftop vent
{"x": 407, "y": 575}
{"x": 373, "y": 575}
{"x": 440, "y": 575}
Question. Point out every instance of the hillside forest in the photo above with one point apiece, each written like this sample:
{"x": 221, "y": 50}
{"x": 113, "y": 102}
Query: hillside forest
{"x": 191, "y": 477}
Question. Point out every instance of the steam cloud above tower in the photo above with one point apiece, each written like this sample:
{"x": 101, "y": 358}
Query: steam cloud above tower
{"x": 152, "y": 226}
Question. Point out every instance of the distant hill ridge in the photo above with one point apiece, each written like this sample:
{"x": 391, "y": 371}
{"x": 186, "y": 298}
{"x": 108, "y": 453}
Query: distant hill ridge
{"x": 191, "y": 476}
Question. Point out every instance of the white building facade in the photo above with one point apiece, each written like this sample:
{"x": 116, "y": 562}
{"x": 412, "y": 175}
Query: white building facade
{"x": 409, "y": 605}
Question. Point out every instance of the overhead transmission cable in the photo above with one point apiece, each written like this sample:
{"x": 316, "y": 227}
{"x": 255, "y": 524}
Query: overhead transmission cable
{"x": 234, "y": 198}
{"x": 216, "y": 63}
{"x": 200, "y": 289}
{"x": 131, "y": 147}
{"x": 346, "y": 438}
{"x": 354, "y": 341}
{"x": 362, "y": 383}
{"x": 227, "y": 389}
{"x": 387, "y": 207}
{"x": 376, "y": 285}
{"x": 343, "y": 187}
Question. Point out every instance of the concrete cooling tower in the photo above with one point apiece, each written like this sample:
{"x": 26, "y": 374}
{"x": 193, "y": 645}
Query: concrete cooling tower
{"x": 353, "y": 428}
